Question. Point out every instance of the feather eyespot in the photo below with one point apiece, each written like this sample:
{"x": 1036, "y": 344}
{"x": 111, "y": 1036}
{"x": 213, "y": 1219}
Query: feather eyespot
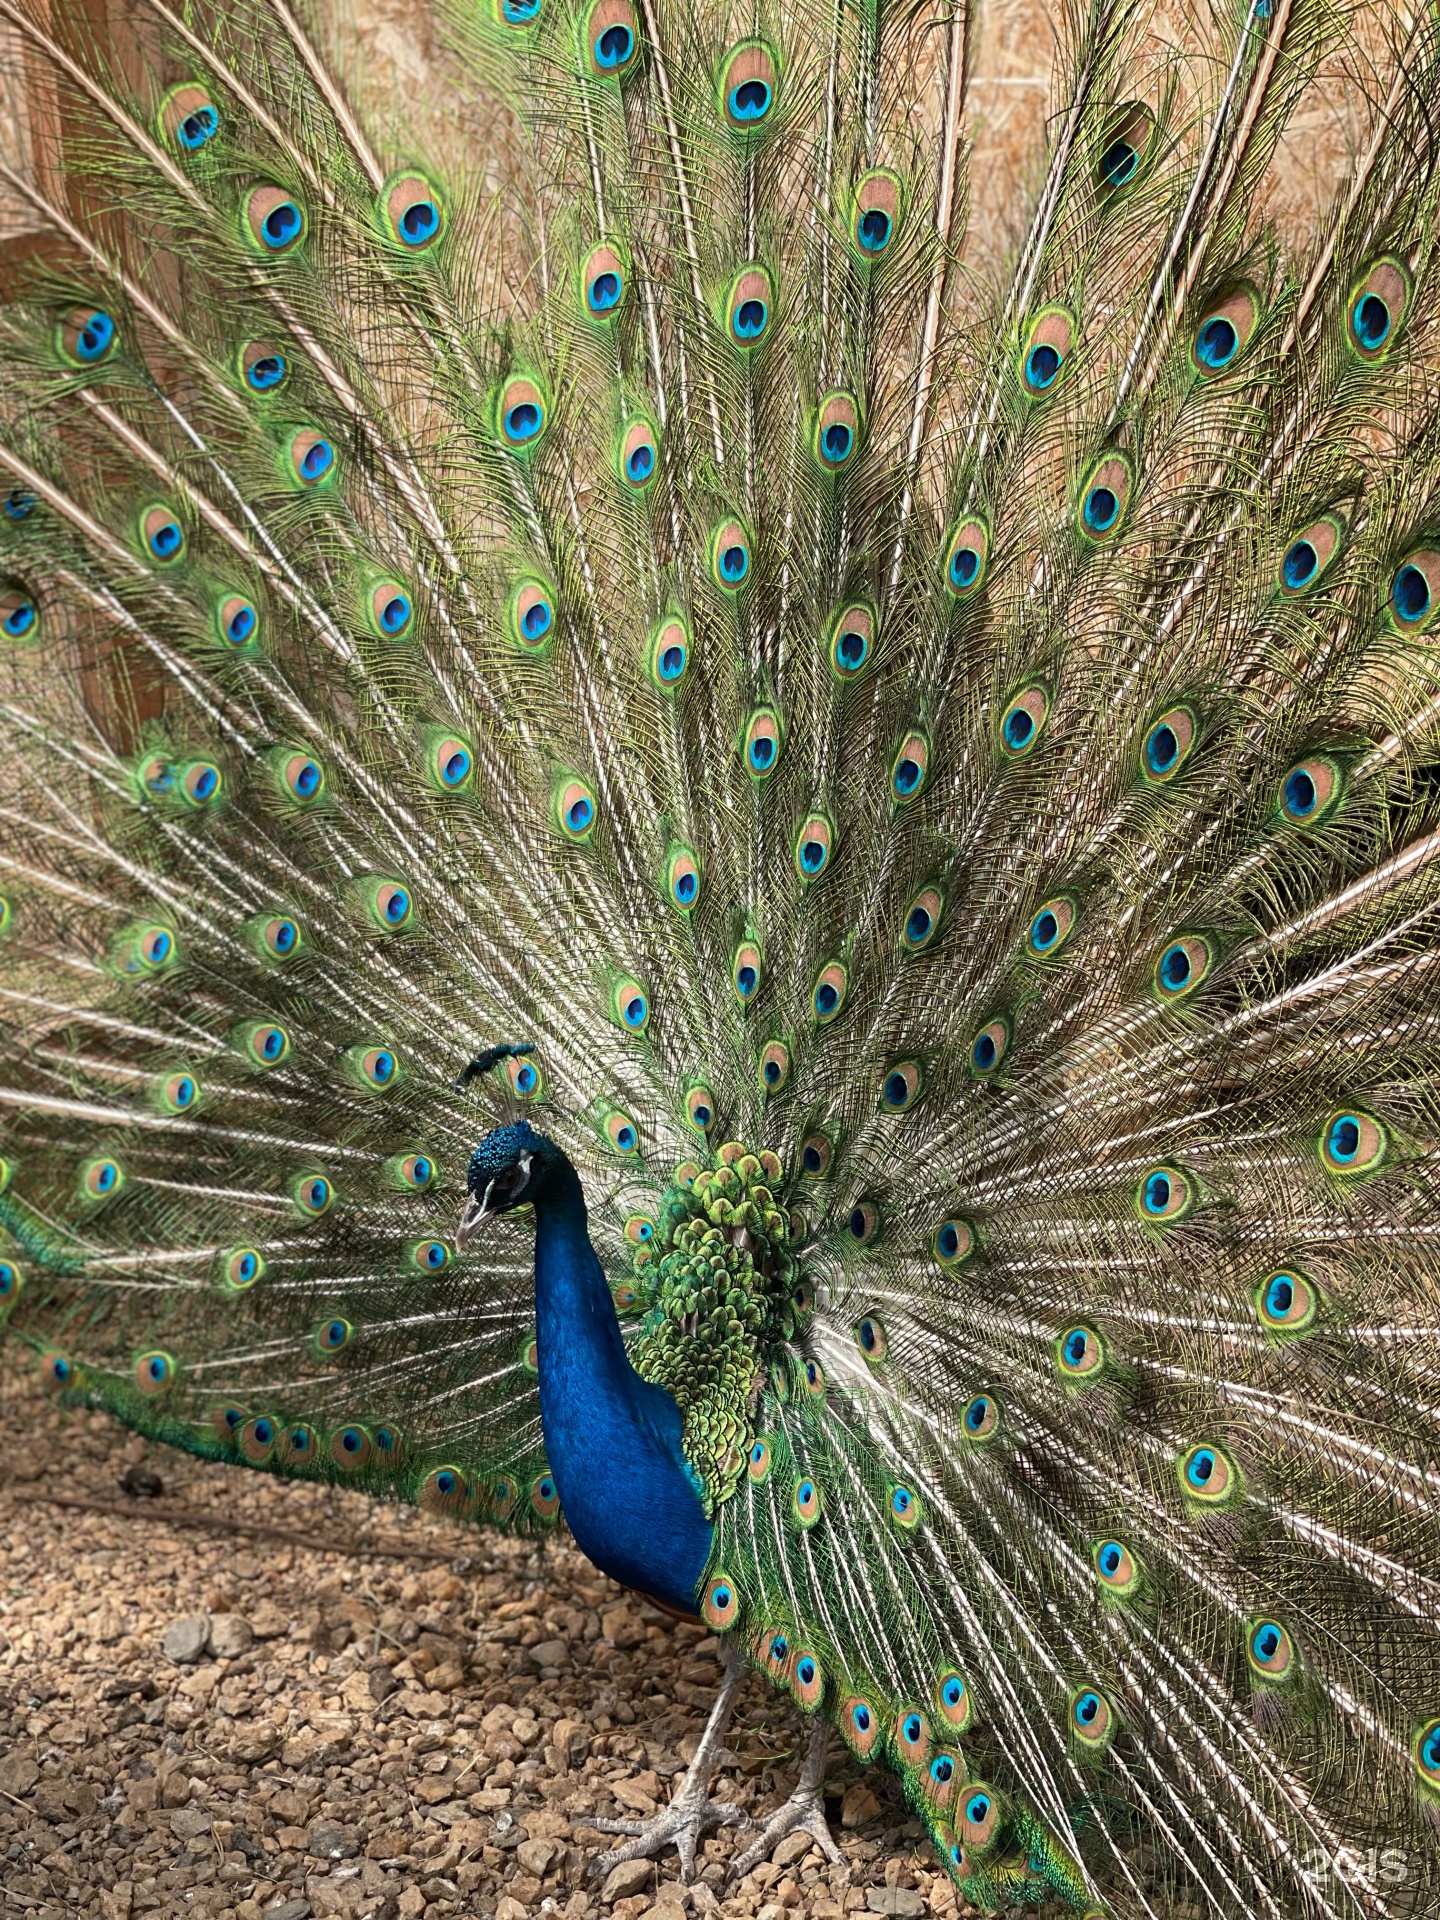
{"x": 544, "y": 1497}
{"x": 902, "y": 1086}
{"x": 989, "y": 1048}
{"x": 1223, "y": 335}
{"x": 12, "y": 1285}
{"x": 389, "y": 904}
{"x": 862, "y": 1223}
{"x": 1051, "y": 928}
{"x": 1208, "y": 1476}
{"x": 154, "y": 950}
{"x": 814, "y": 1375}
{"x": 1415, "y": 591}
{"x": 909, "y": 767}
{"x": 1352, "y": 1142}
{"x": 759, "y": 1463}
{"x": 942, "y": 1781}
{"x": 1045, "y": 351}
{"x": 639, "y": 1229}
{"x": 904, "y": 1508}
{"x": 1105, "y": 499}
{"x": 1309, "y": 790}
{"x": 313, "y": 1194}
{"x": 264, "y": 367}
{"x": 877, "y": 208}
{"x": 274, "y": 220}
{"x": 521, "y": 414}
{"x": 1116, "y": 1566}
{"x": 966, "y": 553}
{"x": 301, "y": 778}
{"x": 227, "y": 1422}
{"x": 377, "y": 1068}
{"x": 298, "y": 1445}
{"x": 331, "y": 1335}
{"x": 1124, "y": 147}
{"x": 746, "y": 970}
{"x": 1168, "y": 744}
{"x": 828, "y": 995}
{"x": 602, "y": 283}
{"x": 237, "y": 622}
{"x": 852, "y": 640}
{"x": 762, "y": 743}
{"x": 773, "y": 1066}
{"x": 430, "y": 1256}
{"x": 18, "y": 504}
{"x": 525, "y": 1076}
{"x": 1286, "y": 1302}
{"x": 836, "y": 434}
{"x": 1308, "y": 556}
{"x": 449, "y": 762}
{"x": 807, "y": 1680}
{"x": 1427, "y": 1754}
{"x": 310, "y": 457}
{"x": 805, "y": 1502}
{"x": 101, "y": 1179}
{"x": 575, "y": 809}
{"x": 953, "y": 1699}
{"x": 390, "y": 610}
{"x": 1376, "y": 309}
{"x": 720, "y": 1606}
{"x": 669, "y": 657}
{"x": 953, "y": 1242}
{"x": 241, "y": 1268}
{"x": 682, "y": 878}
{"x": 188, "y": 118}
{"x": 1164, "y": 1196}
{"x": 1270, "y": 1650}
{"x": 87, "y": 336}
{"x": 19, "y": 614}
{"x": 161, "y": 535}
{"x": 443, "y": 1490}
{"x": 621, "y": 1134}
{"x": 730, "y": 556}
{"x": 630, "y": 1005}
{"x": 57, "y": 1371}
{"x": 817, "y": 1151}
{"x": 749, "y": 305}
{"x": 530, "y": 614}
{"x": 911, "y": 1736}
{"x": 748, "y": 83}
{"x": 871, "y": 1339}
{"x": 1080, "y": 1353}
{"x": 922, "y": 919}
{"x": 814, "y": 843}
{"x": 257, "y": 1439}
{"x": 266, "y": 1044}
{"x": 1091, "y": 1718}
{"x": 412, "y": 212}
{"x": 179, "y": 1093}
{"x": 981, "y": 1419}
{"x": 518, "y": 13}
{"x": 500, "y": 1497}
{"x": 638, "y": 454}
{"x": 861, "y": 1723}
{"x": 201, "y": 782}
{"x": 152, "y": 1373}
{"x": 1023, "y": 722}
{"x": 700, "y": 1108}
{"x": 611, "y": 39}
{"x": 1182, "y": 965}
{"x": 351, "y": 1448}
{"x": 625, "y": 1295}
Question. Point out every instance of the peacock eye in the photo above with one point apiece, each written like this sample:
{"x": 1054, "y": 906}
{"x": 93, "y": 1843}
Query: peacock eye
{"x": 237, "y": 622}
{"x": 412, "y": 212}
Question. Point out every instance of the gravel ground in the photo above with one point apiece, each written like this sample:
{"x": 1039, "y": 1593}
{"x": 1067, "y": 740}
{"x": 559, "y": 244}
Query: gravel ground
{"x": 221, "y": 1723}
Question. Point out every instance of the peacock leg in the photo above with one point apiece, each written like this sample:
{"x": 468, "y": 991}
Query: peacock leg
{"x": 691, "y": 1812}
{"x": 803, "y": 1812}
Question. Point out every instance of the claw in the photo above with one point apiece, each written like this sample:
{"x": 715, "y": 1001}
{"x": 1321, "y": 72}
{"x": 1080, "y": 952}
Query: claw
{"x": 803, "y": 1812}
{"x": 691, "y": 1813}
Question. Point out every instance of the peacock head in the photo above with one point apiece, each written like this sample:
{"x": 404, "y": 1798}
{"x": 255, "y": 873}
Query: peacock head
{"x": 508, "y": 1169}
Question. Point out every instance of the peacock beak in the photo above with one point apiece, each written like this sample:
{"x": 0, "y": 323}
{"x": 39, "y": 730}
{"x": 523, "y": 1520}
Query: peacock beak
{"x": 477, "y": 1211}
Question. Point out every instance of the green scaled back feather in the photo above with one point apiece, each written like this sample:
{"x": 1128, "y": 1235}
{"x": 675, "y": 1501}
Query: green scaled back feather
{"x": 941, "y": 778}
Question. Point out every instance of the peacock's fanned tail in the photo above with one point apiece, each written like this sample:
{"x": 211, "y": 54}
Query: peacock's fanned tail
{"x": 943, "y": 780}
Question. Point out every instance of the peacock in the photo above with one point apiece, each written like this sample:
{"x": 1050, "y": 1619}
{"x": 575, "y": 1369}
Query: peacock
{"x": 668, "y": 857}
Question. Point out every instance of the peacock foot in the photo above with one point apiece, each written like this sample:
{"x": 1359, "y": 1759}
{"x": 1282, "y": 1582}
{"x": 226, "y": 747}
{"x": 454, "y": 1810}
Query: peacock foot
{"x": 691, "y": 1813}
{"x": 803, "y": 1812}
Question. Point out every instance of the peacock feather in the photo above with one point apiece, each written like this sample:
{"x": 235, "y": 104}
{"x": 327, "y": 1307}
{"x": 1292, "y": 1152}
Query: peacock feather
{"x": 900, "y": 811}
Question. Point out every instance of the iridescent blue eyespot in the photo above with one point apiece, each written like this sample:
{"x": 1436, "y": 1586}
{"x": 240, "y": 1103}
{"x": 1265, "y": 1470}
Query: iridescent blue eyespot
{"x": 750, "y": 101}
{"x": 1217, "y": 343}
{"x": 614, "y": 47}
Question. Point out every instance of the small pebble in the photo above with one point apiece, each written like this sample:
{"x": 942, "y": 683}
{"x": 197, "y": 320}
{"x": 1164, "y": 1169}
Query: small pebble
{"x": 185, "y": 1640}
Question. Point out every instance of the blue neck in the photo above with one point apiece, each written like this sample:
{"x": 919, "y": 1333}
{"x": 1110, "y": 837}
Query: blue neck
{"x": 612, "y": 1439}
